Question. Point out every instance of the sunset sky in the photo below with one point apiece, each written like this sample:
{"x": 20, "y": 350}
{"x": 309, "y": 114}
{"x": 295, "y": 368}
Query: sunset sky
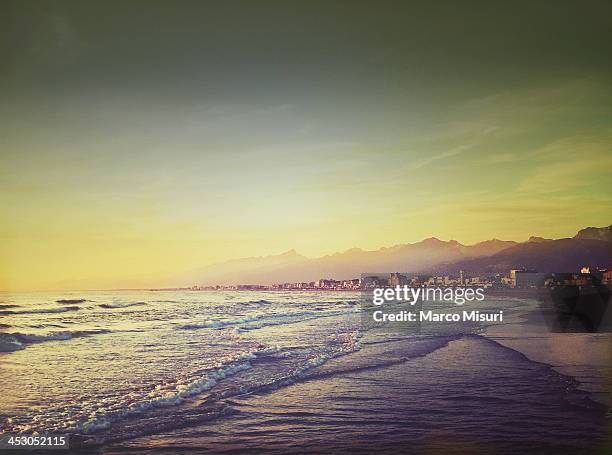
{"x": 140, "y": 139}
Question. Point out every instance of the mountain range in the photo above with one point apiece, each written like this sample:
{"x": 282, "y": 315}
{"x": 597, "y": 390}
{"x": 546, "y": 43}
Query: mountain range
{"x": 590, "y": 246}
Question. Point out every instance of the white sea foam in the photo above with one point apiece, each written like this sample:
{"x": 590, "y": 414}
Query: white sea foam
{"x": 119, "y": 372}
{"x": 166, "y": 394}
{"x": 263, "y": 320}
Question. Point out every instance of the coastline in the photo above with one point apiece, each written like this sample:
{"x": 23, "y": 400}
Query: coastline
{"x": 432, "y": 383}
{"x": 582, "y": 356}
{"x": 299, "y": 371}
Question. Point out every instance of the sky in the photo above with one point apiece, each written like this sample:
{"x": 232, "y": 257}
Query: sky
{"x": 141, "y": 139}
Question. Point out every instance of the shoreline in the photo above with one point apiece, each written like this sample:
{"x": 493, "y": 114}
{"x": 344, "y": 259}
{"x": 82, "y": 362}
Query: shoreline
{"x": 581, "y": 356}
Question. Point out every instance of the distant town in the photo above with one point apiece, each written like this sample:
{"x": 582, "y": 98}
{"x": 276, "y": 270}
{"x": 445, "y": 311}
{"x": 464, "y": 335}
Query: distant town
{"x": 514, "y": 279}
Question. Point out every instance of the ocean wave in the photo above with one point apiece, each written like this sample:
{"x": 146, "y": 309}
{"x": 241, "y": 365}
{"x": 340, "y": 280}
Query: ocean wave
{"x": 307, "y": 367}
{"x": 121, "y": 305}
{"x": 71, "y": 301}
{"x": 256, "y": 302}
{"x": 327, "y": 303}
{"x": 171, "y": 394}
{"x": 46, "y": 326}
{"x": 41, "y": 310}
{"x": 100, "y": 423}
{"x": 415, "y": 349}
{"x": 7, "y": 306}
{"x": 317, "y": 364}
{"x": 15, "y": 340}
{"x": 218, "y": 324}
{"x": 288, "y": 319}
{"x": 263, "y": 320}
{"x": 9, "y": 343}
{"x": 319, "y": 303}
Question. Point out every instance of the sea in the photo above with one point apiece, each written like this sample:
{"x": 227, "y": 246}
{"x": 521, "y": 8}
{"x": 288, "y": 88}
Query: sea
{"x": 294, "y": 372}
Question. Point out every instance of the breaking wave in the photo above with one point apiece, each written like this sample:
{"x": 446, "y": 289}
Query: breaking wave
{"x": 121, "y": 305}
{"x": 170, "y": 394}
{"x": 175, "y": 393}
{"x": 264, "y": 320}
{"x": 16, "y": 340}
{"x": 41, "y": 310}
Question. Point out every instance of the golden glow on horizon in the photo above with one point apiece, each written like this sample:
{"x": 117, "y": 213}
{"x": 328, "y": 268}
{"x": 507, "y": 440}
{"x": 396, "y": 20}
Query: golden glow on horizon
{"x": 63, "y": 232}
{"x": 118, "y": 171}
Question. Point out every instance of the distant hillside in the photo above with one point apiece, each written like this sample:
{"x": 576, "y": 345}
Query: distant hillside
{"x": 563, "y": 255}
{"x": 590, "y": 246}
{"x": 593, "y": 233}
{"x": 253, "y": 270}
{"x": 291, "y": 266}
